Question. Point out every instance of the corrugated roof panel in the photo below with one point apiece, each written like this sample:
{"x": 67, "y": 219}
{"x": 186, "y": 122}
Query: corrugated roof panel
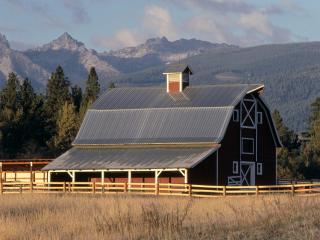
{"x": 170, "y": 125}
{"x": 195, "y": 96}
{"x": 104, "y": 158}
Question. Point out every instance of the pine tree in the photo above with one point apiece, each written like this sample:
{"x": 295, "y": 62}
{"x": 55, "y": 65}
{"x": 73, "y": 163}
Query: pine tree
{"x": 33, "y": 121}
{"x": 67, "y": 126}
{"x": 92, "y": 86}
{"x": 9, "y": 99}
{"x": 288, "y": 138}
{"x": 10, "y": 116}
{"x": 311, "y": 150}
{"x": 91, "y": 93}
{"x": 57, "y": 93}
{"x": 76, "y": 95}
{"x": 289, "y": 161}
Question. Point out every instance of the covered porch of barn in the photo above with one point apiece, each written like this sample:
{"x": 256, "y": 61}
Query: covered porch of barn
{"x": 130, "y": 165}
{"x": 165, "y": 175}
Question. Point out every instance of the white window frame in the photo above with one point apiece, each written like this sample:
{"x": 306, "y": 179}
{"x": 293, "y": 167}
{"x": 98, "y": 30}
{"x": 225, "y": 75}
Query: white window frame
{"x": 236, "y": 115}
{"x": 259, "y": 116}
{"x": 259, "y": 169}
{"x": 242, "y": 151}
{"x": 235, "y": 167}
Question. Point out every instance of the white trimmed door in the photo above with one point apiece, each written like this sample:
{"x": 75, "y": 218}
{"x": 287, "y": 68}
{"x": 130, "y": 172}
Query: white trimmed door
{"x": 247, "y": 173}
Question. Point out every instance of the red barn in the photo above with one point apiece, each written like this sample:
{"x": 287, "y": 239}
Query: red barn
{"x": 213, "y": 134}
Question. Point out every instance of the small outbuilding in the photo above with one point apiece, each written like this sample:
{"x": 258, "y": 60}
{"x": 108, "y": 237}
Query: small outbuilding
{"x": 206, "y": 134}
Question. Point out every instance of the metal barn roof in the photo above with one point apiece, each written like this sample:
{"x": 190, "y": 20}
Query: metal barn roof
{"x": 151, "y": 115}
{"x": 195, "y": 96}
{"x": 134, "y": 158}
{"x": 160, "y": 125}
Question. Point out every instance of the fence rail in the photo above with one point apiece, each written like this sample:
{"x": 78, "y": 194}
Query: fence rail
{"x": 155, "y": 189}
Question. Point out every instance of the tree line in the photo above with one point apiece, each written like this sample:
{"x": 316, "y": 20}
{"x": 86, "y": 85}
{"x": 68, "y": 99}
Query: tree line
{"x": 36, "y": 125}
{"x": 299, "y": 157}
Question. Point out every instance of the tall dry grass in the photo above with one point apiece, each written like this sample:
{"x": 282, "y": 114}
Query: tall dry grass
{"x": 40, "y": 216}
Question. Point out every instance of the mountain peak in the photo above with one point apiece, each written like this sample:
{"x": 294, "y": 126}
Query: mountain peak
{"x": 64, "y": 41}
{"x": 66, "y": 36}
{"x": 157, "y": 40}
{"x": 3, "y": 41}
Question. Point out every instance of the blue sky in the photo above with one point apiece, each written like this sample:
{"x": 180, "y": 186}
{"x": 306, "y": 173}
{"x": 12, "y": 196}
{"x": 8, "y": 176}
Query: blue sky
{"x": 113, "y": 24}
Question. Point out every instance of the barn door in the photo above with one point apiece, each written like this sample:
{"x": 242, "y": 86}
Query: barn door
{"x": 247, "y": 173}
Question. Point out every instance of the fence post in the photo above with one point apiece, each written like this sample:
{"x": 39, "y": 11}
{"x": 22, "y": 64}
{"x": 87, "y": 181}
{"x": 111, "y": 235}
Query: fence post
{"x": 1, "y": 183}
{"x": 125, "y": 187}
{"x": 31, "y": 186}
{"x": 224, "y": 191}
{"x": 69, "y": 186}
{"x": 292, "y": 189}
{"x": 157, "y": 188}
{"x": 64, "y": 187}
{"x": 94, "y": 187}
{"x": 190, "y": 190}
{"x": 20, "y": 188}
{"x": 102, "y": 187}
{"x": 257, "y": 190}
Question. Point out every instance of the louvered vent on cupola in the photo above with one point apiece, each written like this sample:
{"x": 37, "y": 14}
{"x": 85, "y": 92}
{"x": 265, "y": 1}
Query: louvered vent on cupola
{"x": 177, "y": 77}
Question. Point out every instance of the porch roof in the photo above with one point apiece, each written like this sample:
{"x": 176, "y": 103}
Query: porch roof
{"x": 130, "y": 158}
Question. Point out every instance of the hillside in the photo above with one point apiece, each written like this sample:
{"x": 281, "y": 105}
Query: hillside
{"x": 290, "y": 72}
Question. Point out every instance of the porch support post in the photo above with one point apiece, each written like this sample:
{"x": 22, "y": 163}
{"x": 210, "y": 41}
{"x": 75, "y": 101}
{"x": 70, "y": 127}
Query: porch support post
{"x": 102, "y": 176}
{"x": 186, "y": 176}
{"x": 129, "y": 179}
{"x": 73, "y": 176}
{"x": 156, "y": 176}
{"x": 31, "y": 177}
{"x": 49, "y": 176}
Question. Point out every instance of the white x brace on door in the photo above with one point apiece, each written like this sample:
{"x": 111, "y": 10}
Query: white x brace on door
{"x": 248, "y": 113}
{"x": 247, "y": 173}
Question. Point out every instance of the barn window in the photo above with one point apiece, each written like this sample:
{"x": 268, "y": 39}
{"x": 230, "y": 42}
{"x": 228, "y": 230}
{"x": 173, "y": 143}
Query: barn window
{"x": 259, "y": 168}
{"x": 247, "y": 145}
{"x": 235, "y": 167}
{"x": 259, "y": 117}
{"x": 236, "y": 115}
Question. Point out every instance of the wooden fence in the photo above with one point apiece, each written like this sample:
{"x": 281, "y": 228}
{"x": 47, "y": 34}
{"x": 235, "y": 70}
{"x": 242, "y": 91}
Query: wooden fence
{"x": 155, "y": 189}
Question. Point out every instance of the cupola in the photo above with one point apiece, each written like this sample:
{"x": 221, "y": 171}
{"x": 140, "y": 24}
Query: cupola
{"x": 177, "y": 77}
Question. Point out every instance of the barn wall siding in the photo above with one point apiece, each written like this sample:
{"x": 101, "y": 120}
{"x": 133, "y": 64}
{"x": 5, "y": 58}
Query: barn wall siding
{"x": 266, "y": 152}
{"x": 204, "y": 172}
{"x": 229, "y": 152}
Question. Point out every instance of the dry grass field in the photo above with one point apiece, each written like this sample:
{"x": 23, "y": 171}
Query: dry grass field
{"x": 39, "y": 216}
